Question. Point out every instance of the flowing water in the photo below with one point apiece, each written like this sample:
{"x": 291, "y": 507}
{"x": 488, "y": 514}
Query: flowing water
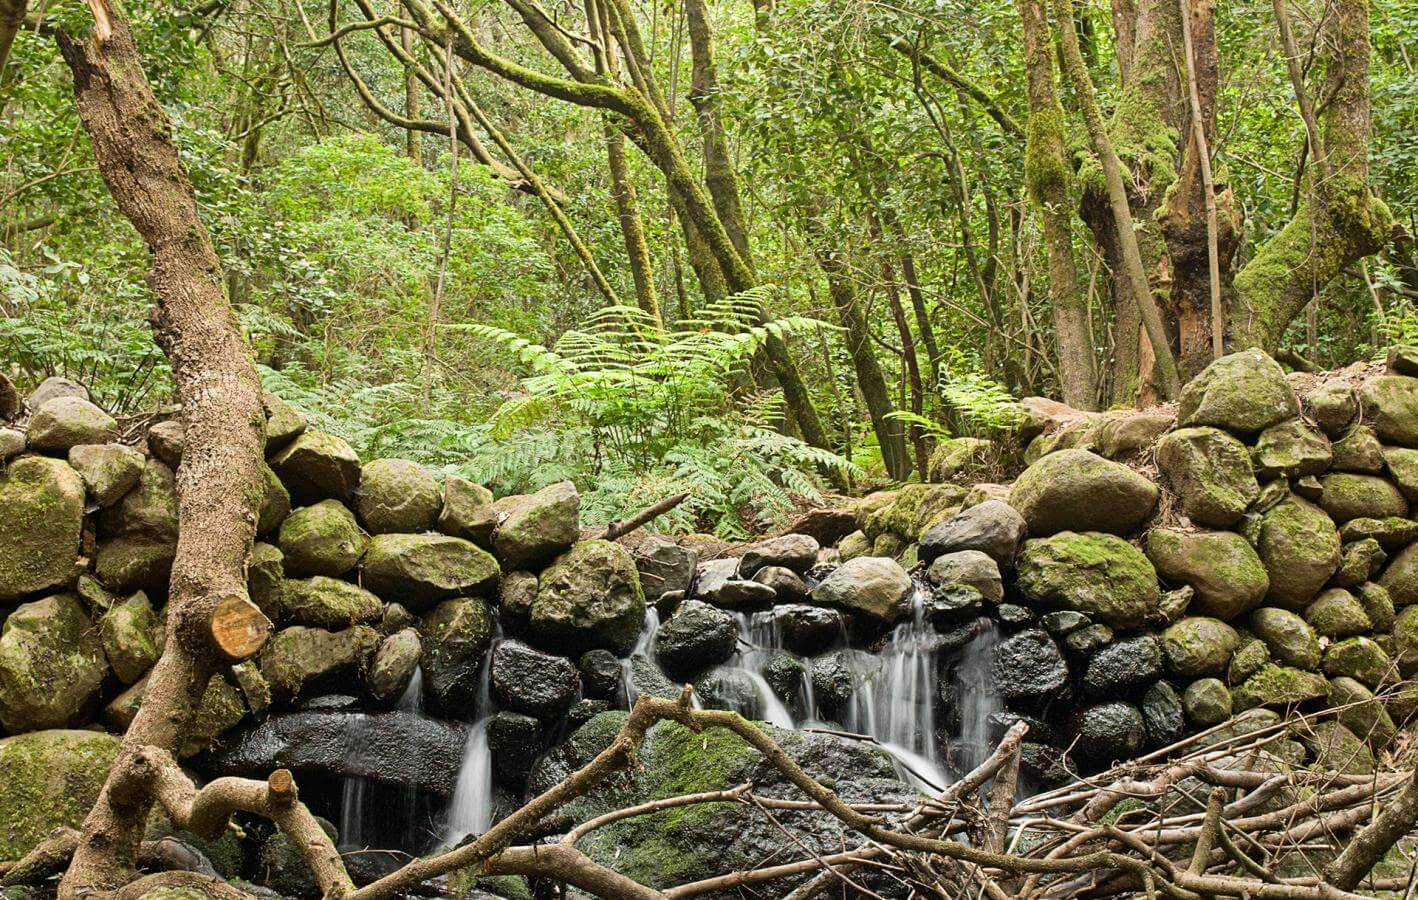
{"x": 978, "y": 699}
{"x": 395, "y": 805}
{"x": 471, "y": 810}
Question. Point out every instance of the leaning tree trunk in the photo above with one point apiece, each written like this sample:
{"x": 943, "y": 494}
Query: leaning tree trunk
{"x": 211, "y": 621}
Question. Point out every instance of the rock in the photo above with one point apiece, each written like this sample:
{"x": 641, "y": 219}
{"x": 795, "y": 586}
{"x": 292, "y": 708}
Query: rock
{"x": 42, "y": 506}
{"x": 809, "y": 629}
{"x": 1247, "y": 661}
{"x": 1358, "y": 562}
{"x": 1221, "y": 566}
{"x": 1308, "y": 487}
{"x": 1400, "y": 579}
{"x": 828, "y": 524}
{"x": 973, "y": 568}
{"x": 961, "y": 458}
{"x": 1300, "y": 549}
{"x": 166, "y": 440}
{"x": 1243, "y": 392}
{"x": 1358, "y": 658}
{"x": 837, "y": 675}
{"x": 871, "y": 585}
{"x": 131, "y": 637}
{"x": 395, "y": 663}
{"x": 644, "y": 678}
{"x": 1211, "y": 473}
{"x": 1123, "y": 667}
{"x": 1290, "y": 450}
{"x": 1199, "y": 646}
{"x": 950, "y": 606}
{"x": 418, "y": 570}
{"x": 515, "y": 599}
{"x": 51, "y": 665}
{"x": 1350, "y": 496}
{"x": 717, "y": 583}
{"x": 1013, "y": 614}
{"x": 993, "y": 527}
{"x": 108, "y": 470}
{"x": 1358, "y": 451}
{"x": 281, "y": 866}
{"x": 532, "y": 682}
{"x": 10, "y": 403}
{"x": 1288, "y": 637}
{"x": 148, "y": 510}
{"x": 787, "y": 677}
{"x": 664, "y": 566}
{"x": 1099, "y": 575}
{"x": 1063, "y": 621}
{"x": 600, "y": 674}
{"x": 1105, "y": 732}
{"x": 284, "y": 423}
{"x": 696, "y": 637}
{"x": 1390, "y": 404}
{"x": 126, "y": 564}
{"x": 454, "y": 637}
{"x": 396, "y": 496}
{"x": 1336, "y": 614}
{"x": 1207, "y": 702}
{"x": 12, "y": 443}
{"x": 1361, "y": 712}
{"x": 1088, "y": 640}
{"x": 52, "y": 387}
{"x": 1075, "y": 490}
{"x": 466, "y": 511}
{"x": 1405, "y": 642}
{"x": 1337, "y": 749}
{"x": 300, "y": 661}
{"x": 534, "y": 528}
{"x": 853, "y": 545}
{"x": 1377, "y": 603}
{"x": 1121, "y": 433}
{"x": 590, "y": 597}
{"x": 515, "y": 741}
{"x": 796, "y": 552}
{"x": 1333, "y": 405}
{"x": 66, "y": 422}
{"x": 889, "y": 545}
{"x": 1163, "y": 715}
{"x": 275, "y": 505}
{"x": 1392, "y": 534}
{"x": 324, "y": 602}
{"x": 395, "y": 747}
{"x": 317, "y": 466}
{"x": 265, "y": 580}
{"x": 1278, "y": 686}
{"x": 787, "y": 586}
{"x": 321, "y": 540}
{"x": 1028, "y": 667}
{"x": 49, "y": 780}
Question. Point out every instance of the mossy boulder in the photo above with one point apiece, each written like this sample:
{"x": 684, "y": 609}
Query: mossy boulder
{"x": 467, "y": 511}
{"x": 108, "y": 470}
{"x": 317, "y": 466}
{"x": 1400, "y": 578}
{"x": 1348, "y": 495}
{"x": 1206, "y": 702}
{"x": 1279, "y": 686}
{"x": 149, "y": 510}
{"x": 127, "y": 564}
{"x": 299, "y": 661}
{"x": 1405, "y": 642}
{"x": 55, "y": 386}
{"x": 453, "y": 639}
{"x": 1390, "y": 404}
{"x": 1359, "y": 658}
{"x": 1247, "y": 660}
{"x": 324, "y": 602}
{"x": 1221, "y": 566}
{"x": 12, "y": 443}
{"x": 1290, "y": 639}
{"x": 1377, "y": 603}
{"x": 394, "y": 665}
{"x": 535, "y": 528}
{"x": 1333, "y": 405}
{"x": 396, "y": 496}
{"x": 1198, "y": 646}
{"x": 42, "y": 508}
{"x": 66, "y": 422}
{"x": 1100, "y": 575}
{"x": 48, "y": 780}
{"x": 1210, "y": 472}
{"x": 1336, "y": 613}
{"x": 1243, "y": 392}
{"x": 418, "y": 570}
{"x": 51, "y": 665}
{"x": 853, "y": 545}
{"x": 275, "y": 503}
{"x": 284, "y": 423}
{"x": 1360, "y": 711}
{"x": 589, "y": 597}
{"x": 1393, "y": 533}
{"x": 265, "y": 579}
{"x": 1358, "y": 450}
{"x": 1075, "y": 490}
{"x": 1299, "y": 546}
{"x": 962, "y": 458}
{"x": 1336, "y": 749}
{"x": 874, "y": 586}
{"x": 1358, "y": 562}
{"x": 322, "y": 539}
{"x": 1291, "y": 449}
{"x": 131, "y": 636}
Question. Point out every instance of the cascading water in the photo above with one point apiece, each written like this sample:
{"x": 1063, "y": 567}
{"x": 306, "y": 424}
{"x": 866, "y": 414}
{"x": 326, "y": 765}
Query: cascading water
{"x": 764, "y": 640}
{"x": 395, "y": 813}
{"x": 472, "y": 807}
{"x": 977, "y": 697}
{"x": 644, "y": 646}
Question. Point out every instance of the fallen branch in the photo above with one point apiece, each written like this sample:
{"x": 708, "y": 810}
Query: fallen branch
{"x": 625, "y": 526}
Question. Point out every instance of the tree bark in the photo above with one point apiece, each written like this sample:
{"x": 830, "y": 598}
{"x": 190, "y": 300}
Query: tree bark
{"x": 719, "y": 175}
{"x": 12, "y": 18}
{"x": 220, "y": 482}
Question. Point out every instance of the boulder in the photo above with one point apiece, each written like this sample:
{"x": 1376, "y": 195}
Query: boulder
{"x": 317, "y": 466}
{"x": 1288, "y": 637}
{"x": 515, "y": 742}
{"x": 973, "y": 568}
{"x": 853, "y": 545}
{"x": 322, "y": 539}
{"x": 275, "y": 504}
{"x": 1163, "y": 715}
{"x": 324, "y": 602}
{"x": 1124, "y": 667}
{"x": 1123, "y": 432}
{"x": 1243, "y": 392}
{"x": 1206, "y": 702}
{"x": 717, "y": 583}
{"x": 466, "y": 511}
{"x": 1087, "y": 640}
{"x": 787, "y": 677}
{"x": 1361, "y": 712}
{"x": 1106, "y": 732}
{"x": 1400, "y": 578}
{"x": 265, "y": 579}
{"x": 809, "y": 629}
{"x": 838, "y": 675}
{"x": 1028, "y": 666}
{"x": 300, "y": 661}
{"x": 1247, "y": 660}
{"x": 1299, "y": 546}
{"x": 12, "y": 443}
{"x": 454, "y": 638}
{"x": 51, "y": 665}
{"x": 394, "y": 665}
{"x": 871, "y": 585}
{"x": 1336, "y": 613}
{"x": 1199, "y": 646}
{"x": 796, "y": 552}
{"x": 1210, "y": 472}
{"x": 127, "y": 564}
{"x": 600, "y": 674}
{"x": 993, "y": 527}
{"x": 1358, "y": 562}
{"x": 1392, "y": 534}
{"x": 52, "y": 387}
{"x": 1348, "y": 495}
{"x": 1358, "y": 658}
{"x": 664, "y": 566}
{"x": 529, "y": 681}
{"x": 1336, "y": 748}
{"x": 66, "y": 422}
{"x": 534, "y": 528}
{"x": 1221, "y": 566}
{"x": 166, "y": 440}
{"x": 1390, "y": 404}
{"x": 1333, "y": 406}
{"x": 514, "y": 601}
{"x": 49, "y": 780}
{"x": 787, "y": 586}
{"x": 1405, "y": 642}
{"x": 1075, "y": 490}
{"x": 108, "y": 470}
{"x": 589, "y": 597}
{"x": 696, "y": 637}
{"x": 1358, "y": 450}
{"x": 148, "y": 510}
{"x": 42, "y": 506}
{"x": 1290, "y": 450}
{"x": 1377, "y": 603}
{"x": 418, "y": 570}
{"x": 1100, "y": 575}
{"x": 284, "y": 423}
{"x": 131, "y": 637}
{"x": 961, "y": 458}
{"x": 396, "y": 496}
{"x": 1279, "y": 686}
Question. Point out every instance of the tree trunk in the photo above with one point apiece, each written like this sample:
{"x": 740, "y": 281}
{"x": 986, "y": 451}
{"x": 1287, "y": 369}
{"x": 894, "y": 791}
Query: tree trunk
{"x": 413, "y": 138}
{"x": 220, "y": 481}
{"x": 12, "y": 18}
{"x": 719, "y": 174}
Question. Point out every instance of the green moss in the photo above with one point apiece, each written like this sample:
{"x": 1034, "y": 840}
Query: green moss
{"x": 1279, "y": 686}
{"x": 42, "y": 507}
{"x": 48, "y": 779}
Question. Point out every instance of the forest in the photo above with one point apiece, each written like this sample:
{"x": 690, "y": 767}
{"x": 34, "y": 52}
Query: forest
{"x": 731, "y": 448}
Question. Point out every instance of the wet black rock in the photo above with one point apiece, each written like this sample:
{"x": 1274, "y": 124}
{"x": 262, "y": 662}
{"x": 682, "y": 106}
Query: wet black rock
{"x": 646, "y": 679}
{"x": 1088, "y": 639}
{"x": 1123, "y": 667}
{"x": 837, "y": 675}
{"x": 786, "y": 676}
{"x": 583, "y": 711}
{"x": 949, "y": 605}
{"x": 1014, "y": 615}
{"x": 696, "y": 637}
{"x": 513, "y": 740}
{"x": 1029, "y": 666}
{"x": 532, "y": 682}
{"x": 1063, "y": 621}
{"x": 1039, "y": 731}
{"x": 1044, "y": 764}
{"x": 810, "y": 629}
{"x": 600, "y": 674}
{"x": 1162, "y": 714}
{"x": 1108, "y": 731}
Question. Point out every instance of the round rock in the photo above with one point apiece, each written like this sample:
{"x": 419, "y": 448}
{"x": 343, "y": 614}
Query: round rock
{"x": 696, "y": 637}
{"x": 529, "y": 681}
{"x": 396, "y": 496}
{"x": 1076, "y": 490}
{"x": 872, "y": 585}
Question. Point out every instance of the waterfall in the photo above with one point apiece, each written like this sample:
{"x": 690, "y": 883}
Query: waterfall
{"x": 978, "y": 699}
{"x": 644, "y": 646}
{"x": 472, "y": 807}
{"x": 394, "y": 808}
{"x": 351, "y": 831}
{"x": 760, "y": 639}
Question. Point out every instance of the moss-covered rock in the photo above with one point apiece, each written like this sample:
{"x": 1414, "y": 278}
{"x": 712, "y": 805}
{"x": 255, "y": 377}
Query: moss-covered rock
{"x": 1390, "y": 404}
{"x": 418, "y": 570}
{"x": 453, "y": 639}
{"x": 467, "y": 511}
{"x": 1358, "y": 562}
{"x": 394, "y": 665}
{"x": 1337, "y": 614}
{"x": 1299, "y": 546}
{"x": 963, "y": 458}
{"x": 42, "y": 508}
{"x": 396, "y": 496}
{"x": 1333, "y": 405}
{"x": 66, "y": 422}
{"x": 108, "y": 470}
{"x": 127, "y": 564}
{"x": 1199, "y": 646}
{"x": 1075, "y": 490}
{"x": 12, "y": 443}
{"x": 1400, "y": 578}
{"x": 322, "y": 539}
{"x": 1247, "y": 660}
{"x": 1291, "y": 449}
{"x": 1358, "y": 450}
{"x": 317, "y": 466}
{"x": 534, "y": 528}
{"x": 1279, "y": 686}
{"x": 1243, "y": 392}
{"x": 51, "y": 665}
{"x": 1221, "y": 566}
{"x": 1206, "y": 702}
{"x": 1405, "y": 642}
{"x": 1336, "y": 749}
{"x": 1210, "y": 472}
{"x": 131, "y": 637}
{"x": 149, "y": 510}
{"x": 275, "y": 503}
{"x": 1358, "y": 658}
{"x": 284, "y": 423}
{"x": 853, "y": 545}
{"x": 49, "y": 780}
{"x": 1348, "y": 495}
{"x": 1361, "y": 712}
{"x": 589, "y": 597}
{"x": 166, "y": 440}
{"x": 1100, "y": 575}
{"x": 298, "y": 660}
{"x": 1393, "y": 533}
{"x": 324, "y": 602}
{"x": 1378, "y": 605}
{"x": 1289, "y": 638}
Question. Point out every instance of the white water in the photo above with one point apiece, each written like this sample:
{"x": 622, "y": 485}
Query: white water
{"x": 974, "y": 686}
{"x": 472, "y": 806}
{"x": 354, "y": 831}
{"x": 644, "y": 646}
